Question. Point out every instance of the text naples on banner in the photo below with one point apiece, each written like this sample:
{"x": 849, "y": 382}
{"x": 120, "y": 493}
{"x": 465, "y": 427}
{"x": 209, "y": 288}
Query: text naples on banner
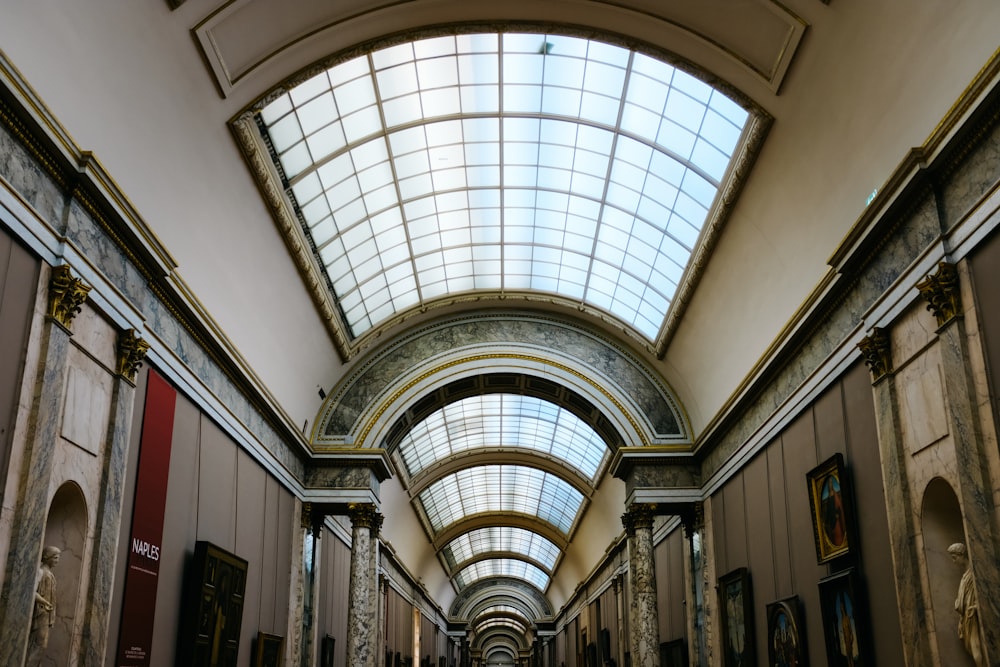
{"x": 143, "y": 569}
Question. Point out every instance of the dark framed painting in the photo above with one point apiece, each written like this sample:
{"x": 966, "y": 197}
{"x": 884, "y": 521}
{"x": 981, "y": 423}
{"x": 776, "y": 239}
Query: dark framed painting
{"x": 268, "y": 650}
{"x": 326, "y": 652}
{"x": 674, "y": 654}
{"x": 786, "y": 635}
{"x": 215, "y": 583}
{"x": 736, "y": 614}
{"x": 845, "y": 620}
{"x": 830, "y": 505}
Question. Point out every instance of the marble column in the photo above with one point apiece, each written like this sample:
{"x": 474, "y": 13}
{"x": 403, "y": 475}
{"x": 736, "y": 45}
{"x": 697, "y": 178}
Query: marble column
{"x": 914, "y": 623}
{"x": 638, "y": 522}
{"x": 693, "y": 520}
{"x": 374, "y": 621}
{"x": 942, "y": 292}
{"x": 66, "y": 295}
{"x": 131, "y": 351}
{"x": 359, "y": 631}
{"x": 619, "y": 584}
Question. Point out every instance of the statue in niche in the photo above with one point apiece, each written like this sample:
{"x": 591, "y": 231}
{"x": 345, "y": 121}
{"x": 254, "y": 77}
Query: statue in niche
{"x": 967, "y": 606}
{"x": 44, "y": 616}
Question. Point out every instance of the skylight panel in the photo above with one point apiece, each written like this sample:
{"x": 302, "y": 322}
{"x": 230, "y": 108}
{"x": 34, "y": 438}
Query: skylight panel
{"x": 502, "y": 567}
{"x": 516, "y": 114}
{"x": 498, "y": 539}
{"x": 503, "y": 420}
{"x": 501, "y": 488}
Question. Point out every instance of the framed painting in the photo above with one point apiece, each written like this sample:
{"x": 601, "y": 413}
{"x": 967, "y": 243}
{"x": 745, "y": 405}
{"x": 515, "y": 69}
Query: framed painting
{"x": 213, "y": 602}
{"x": 830, "y": 505}
{"x": 268, "y": 650}
{"x": 326, "y": 652}
{"x": 785, "y": 634}
{"x": 845, "y": 622}
{"x": 736, "y": 614}
{"x": 674, "y": 654}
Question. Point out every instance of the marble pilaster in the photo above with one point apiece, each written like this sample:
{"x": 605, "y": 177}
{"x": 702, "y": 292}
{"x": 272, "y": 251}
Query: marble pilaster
{"x": 941, "y": 290}
{"x": 66, "y": 293}
{"x": 913, "y": 622}
{"x": 373, "y": 592}
{"x": 297, "y": 588}
{"x": 638, "y": 521}
{"x": 359, "y": 630}
{"x": 131, "y": 351}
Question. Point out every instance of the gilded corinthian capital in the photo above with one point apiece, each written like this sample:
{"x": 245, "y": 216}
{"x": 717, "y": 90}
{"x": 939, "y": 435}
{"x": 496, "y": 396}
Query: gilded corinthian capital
{"x": 66, "y": 295}
{"x": 875, "y": 348}
{"x": 941, "y": 290}
{"x": 132, "y": 350}
{"x": 638, "y": 515}
{"x": 364, "y": 515}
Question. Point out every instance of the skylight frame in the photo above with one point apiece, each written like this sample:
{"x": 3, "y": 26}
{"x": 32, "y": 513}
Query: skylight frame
{"x": 501, "y": 567}
{"x": 496, "y": 539}
{"x": 650, "y": 327}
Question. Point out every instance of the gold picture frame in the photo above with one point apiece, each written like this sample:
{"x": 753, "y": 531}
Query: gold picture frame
{"x": 831, "y": 510}
{"x": 268, "y": 650}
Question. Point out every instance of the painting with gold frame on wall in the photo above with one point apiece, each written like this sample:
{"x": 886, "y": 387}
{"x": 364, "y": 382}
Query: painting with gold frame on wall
{"x": 845, "y": 620}
{"x": 215, "y": 584}
{"x": 785, "y": 634}
{"x": 268, "y": 650}
{"x": 830, "y": 505}
{"x": 736, "y": 614}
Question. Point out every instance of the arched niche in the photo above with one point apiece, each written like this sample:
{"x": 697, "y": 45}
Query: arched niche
{"x": 941, "y": 526}
{"x": 66, "y": 528}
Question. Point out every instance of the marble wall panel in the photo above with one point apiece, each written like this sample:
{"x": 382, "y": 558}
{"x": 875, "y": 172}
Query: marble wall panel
{"x": 923, "y": 415}
{"x": 978, "y": 173}
{"x": 23, "y": 173}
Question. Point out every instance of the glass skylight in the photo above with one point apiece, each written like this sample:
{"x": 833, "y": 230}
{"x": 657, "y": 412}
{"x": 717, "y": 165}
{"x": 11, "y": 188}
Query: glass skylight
{"x": 502, "y": 567}
{"x": 501, "y": 488}
{"x": 503, "y": 420}
{"x": 513, "y": 162}
{"x": 499, "y": 539}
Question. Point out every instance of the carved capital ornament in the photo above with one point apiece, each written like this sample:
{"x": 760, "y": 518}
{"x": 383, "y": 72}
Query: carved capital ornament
{"x": 66, "y": 295}
{"x": 364, "y": 515}
{"x": 132, "y": 350}
{"x": 875, "y": 347}
{"x": 942, "y": 292}
{"x": 638, "y": 516}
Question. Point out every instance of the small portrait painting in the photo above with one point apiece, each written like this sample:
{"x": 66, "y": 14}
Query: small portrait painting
{"x": 269, "y": 649}
{"x": 844, "y": 620}
{"x": 785, "y": 639}
{"x": 829, "y": 500}
{"x": 736, "y": 611}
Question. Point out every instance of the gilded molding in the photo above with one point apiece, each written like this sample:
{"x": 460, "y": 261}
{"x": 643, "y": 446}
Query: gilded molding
{"x": 365, "y": 515}
{"x": 132, "y": 350}
{"x": 942, "y": 293}
{"x": 306, "y": 518}
{"x": 66, "y": 295}
{"x": 876, "y": 349}
{"x": 638, "y": 516}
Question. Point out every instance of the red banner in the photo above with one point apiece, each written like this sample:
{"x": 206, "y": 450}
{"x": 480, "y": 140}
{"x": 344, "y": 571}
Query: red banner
{"x": 136, "y": 636}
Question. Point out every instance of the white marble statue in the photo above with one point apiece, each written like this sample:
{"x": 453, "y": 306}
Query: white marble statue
{"x": 45, "y": 606}
{"x": 967, "y": 606}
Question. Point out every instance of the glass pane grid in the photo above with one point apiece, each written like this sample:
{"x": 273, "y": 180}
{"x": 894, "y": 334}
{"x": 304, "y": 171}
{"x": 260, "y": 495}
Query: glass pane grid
{"x": 502, "y": 567}
{"x": 501, "y": 488}
{"x": 503, "y": 420}
{"x": 539, "y": 136}
{"x": 500, "y": 539}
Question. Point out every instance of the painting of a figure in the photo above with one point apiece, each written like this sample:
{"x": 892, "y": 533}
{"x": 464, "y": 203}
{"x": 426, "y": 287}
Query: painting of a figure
{"x": 786, "y": 643}
{"x": 844, "y": 626}
{"x": 829, "y": 500}
{"x": 736, "y": 610}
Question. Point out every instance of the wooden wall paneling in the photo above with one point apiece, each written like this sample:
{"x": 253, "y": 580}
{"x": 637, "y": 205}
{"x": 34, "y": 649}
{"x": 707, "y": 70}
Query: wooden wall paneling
{"x": 217, "y": 487}
{"x": 870, "y": 514}
{"x": 799, "y": 450}
{"x": 719, "y": 534}
{"x": 288, "y": 531}
{"x": 986, "y": 284}
{"x": 269, "y": 573}
{"x": 780, "y": 548}
{"x": 734, "y": 497}
{"x": 251, "y": 483}
{"x": 759, "y": 553}
{"x": 831, "y": 434}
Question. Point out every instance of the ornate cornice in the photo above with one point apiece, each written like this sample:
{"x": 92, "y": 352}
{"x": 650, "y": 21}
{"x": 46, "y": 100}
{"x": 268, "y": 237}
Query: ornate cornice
{"x": 942, "y": 292}
{"x": 66, "y": 295}
{"x": 132, "y": 350}
{"x": 365, "y": 515}
{"x": 638, "y": 516}
{"x": 876, "y": 349}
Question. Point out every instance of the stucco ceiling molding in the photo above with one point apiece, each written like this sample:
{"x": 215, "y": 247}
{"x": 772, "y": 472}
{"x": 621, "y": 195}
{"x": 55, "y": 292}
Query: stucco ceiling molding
{"x": 365, "y": 402}
{"x": 246, "y": 41}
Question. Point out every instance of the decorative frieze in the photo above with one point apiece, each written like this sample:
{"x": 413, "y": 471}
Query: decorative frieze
{"x": 66, "y": 295}
{"x": 942, "y": 292}
{"x": 876, "y": 349}
{"x": 132, "y": 350}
